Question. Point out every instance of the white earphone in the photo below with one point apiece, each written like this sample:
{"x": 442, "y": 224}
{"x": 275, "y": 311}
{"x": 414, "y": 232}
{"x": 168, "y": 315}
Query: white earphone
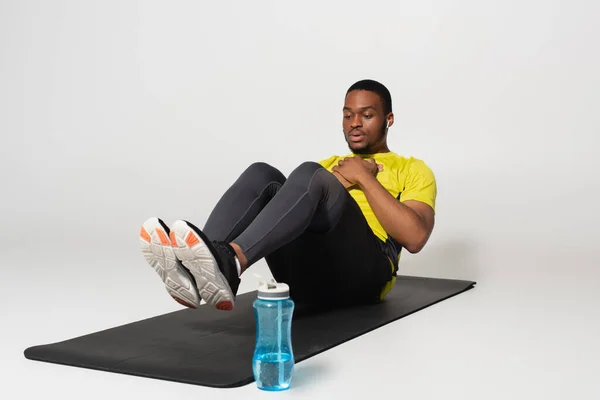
{"x": 388, "y": 125}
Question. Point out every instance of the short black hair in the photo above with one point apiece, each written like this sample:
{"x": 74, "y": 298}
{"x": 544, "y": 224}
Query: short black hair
{"x": 377, "y": 88}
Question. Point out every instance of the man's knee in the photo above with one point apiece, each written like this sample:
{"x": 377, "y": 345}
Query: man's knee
{"x": 312, "y": 173}
{"x": 307, "y": 169}
{"x": 265, "y": 172}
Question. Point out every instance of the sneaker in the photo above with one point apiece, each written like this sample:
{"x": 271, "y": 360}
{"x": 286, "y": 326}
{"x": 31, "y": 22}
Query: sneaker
{"x": 157, "y": 250}
{"x": 213, "y": 264}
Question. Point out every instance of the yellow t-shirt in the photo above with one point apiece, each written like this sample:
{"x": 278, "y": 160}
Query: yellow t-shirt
{"x": 404, "y": 178}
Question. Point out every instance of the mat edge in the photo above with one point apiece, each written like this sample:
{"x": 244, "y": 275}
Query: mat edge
{"x": 141, "y": 375}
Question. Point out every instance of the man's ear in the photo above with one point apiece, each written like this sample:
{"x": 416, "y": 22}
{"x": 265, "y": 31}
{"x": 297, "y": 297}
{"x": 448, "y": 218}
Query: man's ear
{"x": 390, "y": 120}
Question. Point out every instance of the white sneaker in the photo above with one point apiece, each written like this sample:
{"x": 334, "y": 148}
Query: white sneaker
{"x": 156, "y": 247}
{"x": 212, "y": 264}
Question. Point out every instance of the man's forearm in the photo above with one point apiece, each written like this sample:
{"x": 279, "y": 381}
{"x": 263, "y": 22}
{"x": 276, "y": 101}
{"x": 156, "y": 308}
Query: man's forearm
{"x": 342, "y": 180}
{"x": 400, "y": 221}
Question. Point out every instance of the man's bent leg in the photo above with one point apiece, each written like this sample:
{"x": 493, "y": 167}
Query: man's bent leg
{"x": 311, "y": 197}
{"x": 242, "y": 202}
{"x": 310, "y": 190}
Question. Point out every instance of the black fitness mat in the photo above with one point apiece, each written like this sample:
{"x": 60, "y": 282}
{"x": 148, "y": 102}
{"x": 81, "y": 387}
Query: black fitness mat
{"x": 214, "y": 348}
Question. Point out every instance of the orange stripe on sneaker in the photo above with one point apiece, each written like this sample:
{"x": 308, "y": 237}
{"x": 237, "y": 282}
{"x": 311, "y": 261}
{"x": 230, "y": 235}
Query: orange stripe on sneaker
{"x": 183, "y": 303}
{"x": 144, "y": 235}
{"x": 191, "y": 239}
{"x": 163, "y": 237}
{"x": 173, "y": 239}
{"x": 224, "y": 305}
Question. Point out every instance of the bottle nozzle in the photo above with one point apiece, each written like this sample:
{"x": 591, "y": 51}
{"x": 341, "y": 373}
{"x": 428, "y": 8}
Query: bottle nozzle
{"x": 271, "y": 288}
{"x": 271, "y": 284}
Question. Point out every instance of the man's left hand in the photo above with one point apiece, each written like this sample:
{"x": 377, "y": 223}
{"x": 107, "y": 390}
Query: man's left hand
{"x": 354, "y": 169}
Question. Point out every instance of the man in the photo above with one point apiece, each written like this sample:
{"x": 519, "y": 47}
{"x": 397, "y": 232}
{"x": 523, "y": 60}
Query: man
{"x": 333, "y": 230}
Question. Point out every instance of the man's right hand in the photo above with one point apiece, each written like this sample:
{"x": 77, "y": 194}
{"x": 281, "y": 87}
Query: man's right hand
{"x": 342, "y": 180}
{"x": 374, "y": 170}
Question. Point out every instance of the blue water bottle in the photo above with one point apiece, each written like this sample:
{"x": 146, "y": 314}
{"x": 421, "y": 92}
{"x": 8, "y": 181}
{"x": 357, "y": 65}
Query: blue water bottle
{"x": 273, "y": 360}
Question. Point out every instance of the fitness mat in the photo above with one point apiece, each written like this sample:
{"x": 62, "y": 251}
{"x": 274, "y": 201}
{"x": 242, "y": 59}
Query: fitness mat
{"x": 214, "y": 348}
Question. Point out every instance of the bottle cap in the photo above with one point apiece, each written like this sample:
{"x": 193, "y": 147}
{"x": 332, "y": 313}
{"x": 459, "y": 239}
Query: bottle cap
{"x": 273, "y": 290}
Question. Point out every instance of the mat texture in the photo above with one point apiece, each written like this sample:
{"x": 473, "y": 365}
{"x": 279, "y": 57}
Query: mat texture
{"x": 214, "y": 348}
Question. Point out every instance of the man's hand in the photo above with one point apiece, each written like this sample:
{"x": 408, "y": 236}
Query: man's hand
{"x": 354, "y": 169}
{"x": 342, "y": 180}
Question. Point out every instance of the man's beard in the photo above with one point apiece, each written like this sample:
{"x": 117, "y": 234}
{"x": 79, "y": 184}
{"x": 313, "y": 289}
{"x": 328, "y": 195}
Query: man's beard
{"x": 368, "y": 149}
{"x": 364, "y": 151}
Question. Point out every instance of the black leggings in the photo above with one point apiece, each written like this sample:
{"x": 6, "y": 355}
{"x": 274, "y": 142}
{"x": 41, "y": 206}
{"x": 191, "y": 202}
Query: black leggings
{"x": 308, "y": 228}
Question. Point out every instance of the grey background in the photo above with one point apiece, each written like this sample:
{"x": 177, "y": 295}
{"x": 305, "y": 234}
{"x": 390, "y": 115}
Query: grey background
{"x": 111, "y": 112}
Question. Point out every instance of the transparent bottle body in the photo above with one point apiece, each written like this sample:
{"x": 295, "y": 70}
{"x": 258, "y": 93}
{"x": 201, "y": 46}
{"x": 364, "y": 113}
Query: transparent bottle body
{"x": 273, "y": 360}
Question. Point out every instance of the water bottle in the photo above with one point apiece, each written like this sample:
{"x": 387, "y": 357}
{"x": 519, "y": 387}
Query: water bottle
{"x": 273, "y": 360}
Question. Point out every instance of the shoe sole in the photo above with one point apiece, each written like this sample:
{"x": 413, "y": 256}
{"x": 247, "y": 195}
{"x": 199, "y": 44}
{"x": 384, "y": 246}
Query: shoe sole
{"x": 157, "y": 250}
{"x": 192, "y": 250}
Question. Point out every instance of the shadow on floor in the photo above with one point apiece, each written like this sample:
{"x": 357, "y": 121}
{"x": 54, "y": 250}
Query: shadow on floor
{"x": 308, "y": 374}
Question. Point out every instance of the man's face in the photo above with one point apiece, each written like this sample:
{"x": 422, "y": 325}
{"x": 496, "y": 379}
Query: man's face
{"x": 364, "y": 122}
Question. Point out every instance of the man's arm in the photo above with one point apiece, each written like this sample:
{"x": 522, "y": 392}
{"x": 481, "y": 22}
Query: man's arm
{"x": 409, "y": 223}
{"x": 342, "y": 180}
{"x": 327, "y": 163}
